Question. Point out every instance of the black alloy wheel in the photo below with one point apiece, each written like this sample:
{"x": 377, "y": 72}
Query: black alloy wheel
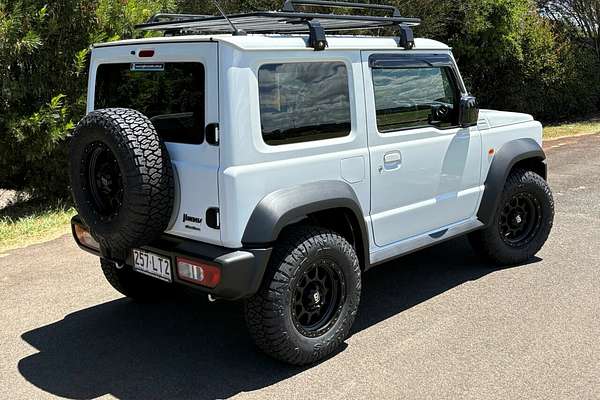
{"x": 102, "y": 176}
{"x": 308, "y": 298}
{"x": 318, "y": 296}
{"x": 520, "y": 219}
{"x": 522, "y": 223}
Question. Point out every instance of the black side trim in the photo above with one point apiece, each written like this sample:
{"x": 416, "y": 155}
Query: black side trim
{"x": 386, "y": 61}
{"x": 504, "y": 160}
{"x": 287, "y": 206}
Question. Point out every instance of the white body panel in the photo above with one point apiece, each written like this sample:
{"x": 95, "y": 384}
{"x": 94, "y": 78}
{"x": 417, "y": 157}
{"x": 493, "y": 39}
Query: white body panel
{"x": 437, "y": 186}
{"x": 497, "y": 119}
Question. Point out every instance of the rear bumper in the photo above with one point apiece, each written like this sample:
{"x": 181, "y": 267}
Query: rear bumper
{"x": 242, "y": 270}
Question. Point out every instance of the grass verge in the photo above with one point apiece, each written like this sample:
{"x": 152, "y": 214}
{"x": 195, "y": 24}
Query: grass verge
{"x": 588, "y": 127}
{"x": 32, "y": 222}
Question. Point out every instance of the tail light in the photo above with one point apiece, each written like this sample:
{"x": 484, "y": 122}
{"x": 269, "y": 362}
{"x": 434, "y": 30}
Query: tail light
{"x": 85, "y": 238}
{"x": 198, "y": 272}
{"x": 146, "y": 53}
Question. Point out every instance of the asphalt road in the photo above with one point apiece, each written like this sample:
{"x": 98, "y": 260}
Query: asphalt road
{"x": 437, "y": 324}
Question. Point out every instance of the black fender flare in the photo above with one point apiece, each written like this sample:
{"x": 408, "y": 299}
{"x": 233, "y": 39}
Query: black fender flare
{"x": 505, "y": 159}
{"x": 287, "y": 206}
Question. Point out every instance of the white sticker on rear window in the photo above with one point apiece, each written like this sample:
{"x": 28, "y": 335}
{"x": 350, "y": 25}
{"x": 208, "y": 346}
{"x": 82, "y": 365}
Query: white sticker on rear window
{"x": 138, "y": 67}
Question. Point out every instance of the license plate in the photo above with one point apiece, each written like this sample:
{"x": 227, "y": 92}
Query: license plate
{"x": 152, "y": 264}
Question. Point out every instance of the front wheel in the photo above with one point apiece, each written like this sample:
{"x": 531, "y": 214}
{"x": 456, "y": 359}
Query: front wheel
{"x": 522, "y": 222}
{"x": 309, "y": 297}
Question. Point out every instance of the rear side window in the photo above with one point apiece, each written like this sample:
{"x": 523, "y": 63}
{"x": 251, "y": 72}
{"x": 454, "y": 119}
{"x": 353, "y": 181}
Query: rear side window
{"x": 171, "y": 95}
{"x": 415, "y": 97}
{"x": 302, "y": 102}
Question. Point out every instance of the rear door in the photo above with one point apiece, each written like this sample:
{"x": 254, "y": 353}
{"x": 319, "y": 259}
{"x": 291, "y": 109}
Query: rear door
{"x": 176, "y": 86}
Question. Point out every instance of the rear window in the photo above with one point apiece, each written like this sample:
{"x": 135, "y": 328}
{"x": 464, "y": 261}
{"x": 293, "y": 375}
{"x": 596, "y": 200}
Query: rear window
{"x": 302, "y": 102}
{"x": 171, "y": 95}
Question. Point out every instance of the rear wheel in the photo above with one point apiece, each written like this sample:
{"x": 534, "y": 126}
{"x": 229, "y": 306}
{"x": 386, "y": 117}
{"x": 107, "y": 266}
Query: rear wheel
{"x": 309, "y": 297}
{"x": 522, "y": 221}
{"x": 132, "y": 284}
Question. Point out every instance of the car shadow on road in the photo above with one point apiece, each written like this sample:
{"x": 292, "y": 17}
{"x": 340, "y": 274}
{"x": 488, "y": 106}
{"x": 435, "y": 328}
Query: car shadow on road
{"x": 186, "y": 348}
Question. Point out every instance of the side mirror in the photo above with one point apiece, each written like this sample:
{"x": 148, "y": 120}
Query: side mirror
{"x": 469, "y": 112}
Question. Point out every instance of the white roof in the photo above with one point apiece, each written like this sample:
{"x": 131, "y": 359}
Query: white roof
{"x": 287, "y": 42}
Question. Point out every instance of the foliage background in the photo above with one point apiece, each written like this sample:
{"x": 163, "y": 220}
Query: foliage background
{"x": 512, "y": 54}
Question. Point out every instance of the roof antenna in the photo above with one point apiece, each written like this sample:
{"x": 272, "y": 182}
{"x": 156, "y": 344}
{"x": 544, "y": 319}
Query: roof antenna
{"x": 236, "y": 31}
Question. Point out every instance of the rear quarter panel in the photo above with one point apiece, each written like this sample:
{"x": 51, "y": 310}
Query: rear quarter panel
{"x": 251, "y": 169}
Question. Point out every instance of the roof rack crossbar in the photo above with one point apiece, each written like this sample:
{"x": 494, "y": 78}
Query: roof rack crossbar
{"x": 288, "y": 5}
{"x": 288, "y": 21}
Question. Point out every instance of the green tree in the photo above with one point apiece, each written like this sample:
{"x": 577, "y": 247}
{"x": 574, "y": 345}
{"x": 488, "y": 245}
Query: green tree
{"x": 43, "y": 78}
{"x": 583, "y": 16}
{"x": 116, "y": 19}
{"x": 512, "y": 59}
{"x": 511, "y": 56}
{"x": 41, "y": 88}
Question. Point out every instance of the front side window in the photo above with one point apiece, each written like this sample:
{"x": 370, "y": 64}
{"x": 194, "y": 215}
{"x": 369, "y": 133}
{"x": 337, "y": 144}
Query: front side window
{"x": 302, "y": 102}
{"x": 415, "y": 97}
{"x": 170, "y": 94}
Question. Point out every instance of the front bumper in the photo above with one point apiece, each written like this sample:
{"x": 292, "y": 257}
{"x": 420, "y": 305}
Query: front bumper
{"x": 242, "y": 270}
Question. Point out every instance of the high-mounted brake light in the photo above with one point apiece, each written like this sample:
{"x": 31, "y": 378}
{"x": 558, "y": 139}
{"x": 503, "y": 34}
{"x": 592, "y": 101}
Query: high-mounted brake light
{"x": 85, "y": 238}
{"x": 198, "y": 272}
{"x": 146, "y": 53}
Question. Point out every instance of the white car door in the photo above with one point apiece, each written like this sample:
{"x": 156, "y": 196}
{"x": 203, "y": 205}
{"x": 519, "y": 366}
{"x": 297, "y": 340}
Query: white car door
{"x": 425, "y": 169}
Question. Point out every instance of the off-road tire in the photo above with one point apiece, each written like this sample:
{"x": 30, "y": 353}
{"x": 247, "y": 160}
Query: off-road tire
{"x": 269, "y": 314}
{"x": 146, "y": 178}
{"x": 489, "y": 241}
{"x": 133, "y": 284}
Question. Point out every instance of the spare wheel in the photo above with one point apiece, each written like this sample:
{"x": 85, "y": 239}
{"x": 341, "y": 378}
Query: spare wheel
{"x": 121, "y": 179}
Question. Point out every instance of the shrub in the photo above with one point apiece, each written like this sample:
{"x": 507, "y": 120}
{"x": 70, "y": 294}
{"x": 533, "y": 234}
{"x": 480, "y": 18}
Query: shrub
{"x": 43, "y": 75}
{"x": 42, "y": 89}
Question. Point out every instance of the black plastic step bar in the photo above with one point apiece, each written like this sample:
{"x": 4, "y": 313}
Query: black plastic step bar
{"x": 288, "y": 21}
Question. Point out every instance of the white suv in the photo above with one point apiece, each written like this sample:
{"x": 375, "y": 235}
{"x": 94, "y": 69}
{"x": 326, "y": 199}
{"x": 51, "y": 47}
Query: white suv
{"x": 277, "y": 164}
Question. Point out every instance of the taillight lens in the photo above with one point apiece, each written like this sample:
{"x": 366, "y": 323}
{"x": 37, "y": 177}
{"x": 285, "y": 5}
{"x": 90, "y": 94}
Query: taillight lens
{"x": 85, "y": 238}
{"x": 198, "y": 272}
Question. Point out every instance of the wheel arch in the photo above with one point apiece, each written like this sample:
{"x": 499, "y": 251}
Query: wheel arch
{"x": 331, "y": 204}
{"x": 521, "y": 153}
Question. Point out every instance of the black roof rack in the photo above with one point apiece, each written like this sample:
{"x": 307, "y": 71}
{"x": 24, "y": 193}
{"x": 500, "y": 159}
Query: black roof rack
{"x": 288, "y": 21}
